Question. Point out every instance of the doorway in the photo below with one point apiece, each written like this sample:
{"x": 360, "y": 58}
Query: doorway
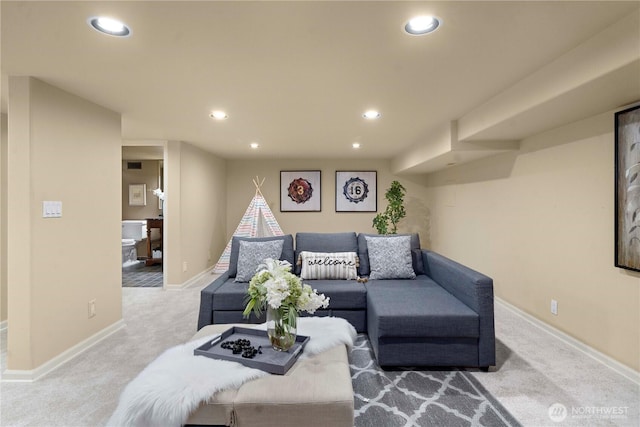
{"x": 142, "y": 216}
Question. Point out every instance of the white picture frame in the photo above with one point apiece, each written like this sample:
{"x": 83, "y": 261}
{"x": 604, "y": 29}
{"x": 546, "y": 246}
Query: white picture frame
{"x": 137, "y": 194}
{"x": 300, "y": 191}
{"x": 356, "y": 191}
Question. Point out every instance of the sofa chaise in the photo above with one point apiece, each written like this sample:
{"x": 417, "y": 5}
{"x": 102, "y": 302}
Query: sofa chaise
{"x": 423, "y": 310}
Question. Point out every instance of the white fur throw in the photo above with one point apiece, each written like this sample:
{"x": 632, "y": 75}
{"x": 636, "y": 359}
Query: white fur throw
{"x": 177, "y": 382}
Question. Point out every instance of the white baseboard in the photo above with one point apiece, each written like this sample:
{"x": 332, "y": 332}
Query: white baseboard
{"x": 607, "y": 361}
{"x": 191, "y": 282}
{"x": 4, "y": 325}
{"x": 34, "y": 374}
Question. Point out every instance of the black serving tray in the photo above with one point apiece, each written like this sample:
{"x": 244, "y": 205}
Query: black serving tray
{"x": 272, "y": 361}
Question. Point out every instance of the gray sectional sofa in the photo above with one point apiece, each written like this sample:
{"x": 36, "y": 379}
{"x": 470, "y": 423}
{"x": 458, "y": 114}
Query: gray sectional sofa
{"x": 442, "y": 317}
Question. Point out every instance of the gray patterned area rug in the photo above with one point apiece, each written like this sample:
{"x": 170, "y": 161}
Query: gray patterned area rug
{"x": 411, "y": 397}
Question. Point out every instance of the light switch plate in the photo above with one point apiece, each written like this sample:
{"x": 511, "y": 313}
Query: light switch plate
{"x": 51, "y": 209}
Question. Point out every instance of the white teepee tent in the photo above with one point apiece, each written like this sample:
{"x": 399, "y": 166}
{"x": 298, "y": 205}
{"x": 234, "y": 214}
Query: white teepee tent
{"x": 257, "y": 221}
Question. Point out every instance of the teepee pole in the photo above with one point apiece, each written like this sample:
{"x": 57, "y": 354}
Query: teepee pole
{"x": 258, "y": 184}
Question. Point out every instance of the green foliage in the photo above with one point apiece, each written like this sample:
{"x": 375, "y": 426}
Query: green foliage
{"x": 292, "y": 316}
{"x": 257, "y": 294}
{"x": 387, "y": 222}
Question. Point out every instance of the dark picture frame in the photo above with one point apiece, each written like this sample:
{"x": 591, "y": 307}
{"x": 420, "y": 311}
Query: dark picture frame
{"x": 356, "y": 191}
{"x": 627, "y": 188}
{"x": 300, "y": 191}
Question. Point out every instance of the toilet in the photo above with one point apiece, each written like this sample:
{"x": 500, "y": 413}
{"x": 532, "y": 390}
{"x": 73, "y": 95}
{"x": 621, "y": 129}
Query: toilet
{"x": 133, "y": 231}
{"x": 129, "y": 252}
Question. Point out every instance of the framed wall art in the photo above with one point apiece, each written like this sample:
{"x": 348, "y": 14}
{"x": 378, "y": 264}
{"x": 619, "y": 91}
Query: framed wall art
{"x": 138, "y": 195}
{"x": 356, "y": 191}
{"x": 300, "y": 191}
{"x": 627, "y": 191}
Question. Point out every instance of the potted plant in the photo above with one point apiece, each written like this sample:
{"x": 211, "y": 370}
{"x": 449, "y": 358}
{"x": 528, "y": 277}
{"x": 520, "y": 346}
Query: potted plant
{"x": 387, "y": 222}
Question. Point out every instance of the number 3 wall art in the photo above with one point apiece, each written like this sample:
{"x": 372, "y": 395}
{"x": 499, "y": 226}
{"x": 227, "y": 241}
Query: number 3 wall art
{"x": 356, "y": 191}
{"x": 300, "y": 191}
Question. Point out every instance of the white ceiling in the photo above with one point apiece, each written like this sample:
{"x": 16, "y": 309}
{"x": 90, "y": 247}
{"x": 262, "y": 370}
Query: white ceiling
{"x": 294, "y": 76}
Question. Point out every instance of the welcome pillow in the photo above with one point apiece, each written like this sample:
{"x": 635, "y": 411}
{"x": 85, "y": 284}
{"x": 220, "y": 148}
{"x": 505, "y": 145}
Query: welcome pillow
{"x": 328, "y": 265}
{"x": 390, "y": 257}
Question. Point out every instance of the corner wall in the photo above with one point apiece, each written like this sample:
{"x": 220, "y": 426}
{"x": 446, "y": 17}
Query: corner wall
{"x": 195, "y": 211}
{"x": 54, "y": 140}
{"x": 541, "y": 223}
{"x": 3, "y": 219}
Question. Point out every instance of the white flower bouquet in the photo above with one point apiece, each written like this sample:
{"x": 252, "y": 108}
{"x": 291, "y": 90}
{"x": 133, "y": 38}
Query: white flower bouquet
{"x": 284, "y": 295}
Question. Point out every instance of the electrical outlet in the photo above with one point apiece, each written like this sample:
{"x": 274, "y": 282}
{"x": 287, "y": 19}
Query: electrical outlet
{"x": 92, "y": 308}
{"x": 554, "y": 307}
{"x": 184, "y": 266}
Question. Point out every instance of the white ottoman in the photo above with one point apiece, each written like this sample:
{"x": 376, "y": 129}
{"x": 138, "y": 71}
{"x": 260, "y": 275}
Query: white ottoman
{"x": 314, "y": 392}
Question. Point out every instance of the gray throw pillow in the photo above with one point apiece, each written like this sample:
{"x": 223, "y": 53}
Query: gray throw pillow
{"x": 287, "y": 250}
{"x": 252, "y": 254}
{"x": 363, "y": 253}
{"x": 390, "y": 257}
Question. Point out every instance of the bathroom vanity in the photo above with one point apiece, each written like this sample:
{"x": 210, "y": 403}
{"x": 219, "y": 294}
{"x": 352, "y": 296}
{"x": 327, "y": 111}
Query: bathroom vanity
{"x": 151, "y": 224}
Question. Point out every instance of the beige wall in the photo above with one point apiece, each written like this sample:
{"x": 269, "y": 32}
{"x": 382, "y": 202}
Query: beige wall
{"x": 240, "y": 191}
{"x": 53, "y": 138}
{"x": 147, "y": 175}
{"x": 541, "y": 223}
{"x": 3, "y": 217}
{"x": 195, "y": 210}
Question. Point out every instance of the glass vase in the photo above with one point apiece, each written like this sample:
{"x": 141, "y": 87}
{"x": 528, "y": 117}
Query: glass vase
{"x": 281, "y": 329}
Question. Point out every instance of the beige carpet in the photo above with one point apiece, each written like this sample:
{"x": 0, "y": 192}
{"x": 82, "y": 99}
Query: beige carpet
{"x": 534, "y": 370}
{"x": 85, "y": 391}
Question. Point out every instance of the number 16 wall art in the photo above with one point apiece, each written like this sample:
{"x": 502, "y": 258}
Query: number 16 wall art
{"x": 356, "y": 191}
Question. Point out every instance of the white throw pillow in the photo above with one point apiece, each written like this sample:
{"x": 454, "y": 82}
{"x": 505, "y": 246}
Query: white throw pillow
{"x": 390, "y": 257}
{"x": 252, "y": 254}
{"x": 328, "y": 265}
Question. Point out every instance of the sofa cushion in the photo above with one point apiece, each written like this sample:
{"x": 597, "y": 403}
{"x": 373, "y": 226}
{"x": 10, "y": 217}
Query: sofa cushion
{"x": 328, "y": 265}
{"x": 252, "y": 254}
{"x": 325, "y": 242}
{"x": 417, "y": 308}
{"x": 363, "y": 253}
{"x": 343, "y": 294}
{"x": 230, "y": 296}
{"x": 390, "y": 257}
{"x": 287, "y": 250}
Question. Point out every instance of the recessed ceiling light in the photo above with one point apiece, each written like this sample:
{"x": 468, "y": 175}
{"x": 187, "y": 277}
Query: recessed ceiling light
{"x": 218, "y": 115}
{"x": 356, "y": 145}
{"x": 422, "y": 25}
{"x": 254, "y": 145}
{"x": 371, "y": 114}
{"x": 109, "y": 26}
